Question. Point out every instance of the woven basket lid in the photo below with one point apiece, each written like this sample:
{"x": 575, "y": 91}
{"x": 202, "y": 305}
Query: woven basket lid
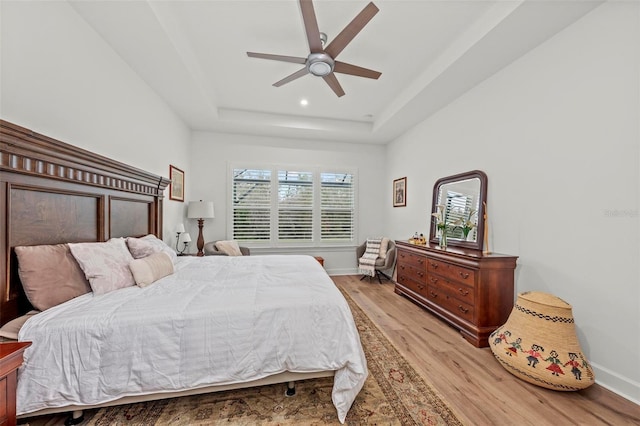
{"x": 544, "y": 299}
{"x": 538, "y": 344}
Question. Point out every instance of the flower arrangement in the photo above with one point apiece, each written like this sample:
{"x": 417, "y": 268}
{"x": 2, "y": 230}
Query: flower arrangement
{"x": 441, "y": 224}
{"x": 467, "y": 224}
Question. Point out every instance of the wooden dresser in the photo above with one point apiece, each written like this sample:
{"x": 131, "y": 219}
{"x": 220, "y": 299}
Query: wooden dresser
{"x": 10, "y": 361}
{"x": 471, "y": 291}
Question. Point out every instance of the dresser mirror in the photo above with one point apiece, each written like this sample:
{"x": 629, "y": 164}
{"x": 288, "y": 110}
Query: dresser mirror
{"x": 462, "y": 199}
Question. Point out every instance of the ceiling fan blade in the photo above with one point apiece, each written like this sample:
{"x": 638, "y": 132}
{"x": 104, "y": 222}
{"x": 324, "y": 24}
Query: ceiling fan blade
{"x": 332, "y": 81}
{"x": 311, "y": 26}
{"x": 304, "y": 71}
{"x": 282, "y": 58}
{"x": 344, "y": 68}
{"x": 350, "y": 31}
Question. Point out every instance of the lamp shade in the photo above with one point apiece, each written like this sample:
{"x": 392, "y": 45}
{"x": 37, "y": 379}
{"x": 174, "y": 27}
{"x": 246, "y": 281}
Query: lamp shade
{"x": 180, "y": 228}
{"x": 200, "y": 210}
{"x": 186, "y": 238}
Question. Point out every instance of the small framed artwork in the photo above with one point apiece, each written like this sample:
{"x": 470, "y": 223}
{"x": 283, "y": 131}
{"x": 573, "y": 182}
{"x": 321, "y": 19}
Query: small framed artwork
{"x": 400, "y": 192}
{"x": 176, "y": 187}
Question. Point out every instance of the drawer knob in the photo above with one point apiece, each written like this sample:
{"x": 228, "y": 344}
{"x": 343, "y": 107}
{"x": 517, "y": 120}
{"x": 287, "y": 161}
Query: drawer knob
{"x": 421, "y": 286}
{"x": 433, "y": 294}
{"x": 402, "y": 267}
{"x": 463, "y": 292}
{"x": 420, "y": 273}
{"x": 421, "y": 261}
{"x": 463, "y": 309}
{"x": 464, "y": 275}
{"x": 434, "y": 265}
{"x": 433, "y": 280}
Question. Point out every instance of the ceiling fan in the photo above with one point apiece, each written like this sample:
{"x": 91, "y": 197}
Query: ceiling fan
{"x": 321, "y": 61}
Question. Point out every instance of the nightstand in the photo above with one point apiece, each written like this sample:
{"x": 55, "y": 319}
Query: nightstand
{"x": 10, "y": 361}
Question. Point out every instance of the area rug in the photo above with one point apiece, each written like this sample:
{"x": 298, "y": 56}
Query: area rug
{"x": 393, "y": 394}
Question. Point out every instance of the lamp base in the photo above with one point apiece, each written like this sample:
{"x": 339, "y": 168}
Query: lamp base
{"x": 200, "y": 242}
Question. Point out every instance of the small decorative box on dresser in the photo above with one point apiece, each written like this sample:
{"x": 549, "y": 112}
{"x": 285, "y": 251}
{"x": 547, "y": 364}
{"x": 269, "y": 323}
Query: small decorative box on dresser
{"x": 470, "y": 290}
{"x": 10, "y": 361}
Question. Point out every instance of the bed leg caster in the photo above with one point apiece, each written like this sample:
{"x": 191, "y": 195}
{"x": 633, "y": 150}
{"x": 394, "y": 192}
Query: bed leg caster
{"x": 291, "y": 389}
{"x": 74, "y": 418}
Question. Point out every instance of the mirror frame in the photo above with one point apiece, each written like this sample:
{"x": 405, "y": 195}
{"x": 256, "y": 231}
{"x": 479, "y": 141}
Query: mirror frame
{"x": 474, "y": 174}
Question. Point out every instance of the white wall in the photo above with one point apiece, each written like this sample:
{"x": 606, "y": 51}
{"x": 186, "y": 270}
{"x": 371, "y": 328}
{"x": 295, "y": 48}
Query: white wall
{"x": 557, "y": 133}
{"x": 212, "y": 153}
{"x": 59, "y": 78}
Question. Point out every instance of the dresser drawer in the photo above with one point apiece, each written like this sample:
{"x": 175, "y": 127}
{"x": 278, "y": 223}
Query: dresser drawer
{"x": 463, "y": 292}
{"x": 412, "y": 259}
{"x": 415, "y": 286}
{"x": 415, "y": 273}
{"x": 451, "y": 271}
{"x": 440, "y": 297}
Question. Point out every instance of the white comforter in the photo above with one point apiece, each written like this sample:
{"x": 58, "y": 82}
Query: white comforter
{"x": 216, "y": 320}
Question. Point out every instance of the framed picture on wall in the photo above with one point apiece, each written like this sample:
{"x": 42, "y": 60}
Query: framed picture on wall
{"x": 400, "y": 192}
{"x": 176, "y": 188}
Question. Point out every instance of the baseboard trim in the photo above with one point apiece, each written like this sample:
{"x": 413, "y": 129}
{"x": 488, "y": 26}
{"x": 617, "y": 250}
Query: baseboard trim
{"x": 623, "y": 386}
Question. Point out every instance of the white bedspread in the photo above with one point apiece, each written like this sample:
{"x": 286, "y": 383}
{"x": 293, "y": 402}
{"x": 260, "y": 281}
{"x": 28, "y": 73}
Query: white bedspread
{"x": 217, "y": 320}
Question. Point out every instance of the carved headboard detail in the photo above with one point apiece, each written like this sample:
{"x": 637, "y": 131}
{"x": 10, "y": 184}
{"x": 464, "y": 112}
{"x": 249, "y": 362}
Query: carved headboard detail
{"x": 53, "y": 192}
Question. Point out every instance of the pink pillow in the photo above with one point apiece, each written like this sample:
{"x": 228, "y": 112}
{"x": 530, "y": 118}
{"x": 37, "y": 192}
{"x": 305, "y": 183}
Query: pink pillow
{"x": 106, "y": 265}
{"x": 50, "y": 275}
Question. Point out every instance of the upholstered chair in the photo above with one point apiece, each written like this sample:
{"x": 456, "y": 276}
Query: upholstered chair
{"x": 388, "y": 263}
{"x": 211, "y": 250}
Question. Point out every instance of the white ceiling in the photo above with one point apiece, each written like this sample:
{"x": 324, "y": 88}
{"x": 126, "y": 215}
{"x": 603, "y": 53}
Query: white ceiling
{"x": 193, "y": 54}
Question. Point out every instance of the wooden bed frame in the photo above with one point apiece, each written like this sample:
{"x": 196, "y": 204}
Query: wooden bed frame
{"x": 54, "y": 193}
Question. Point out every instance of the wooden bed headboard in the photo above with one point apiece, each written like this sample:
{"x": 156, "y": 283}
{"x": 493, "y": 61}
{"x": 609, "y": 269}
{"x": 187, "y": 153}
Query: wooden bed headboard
{"x": 53, "y": 192}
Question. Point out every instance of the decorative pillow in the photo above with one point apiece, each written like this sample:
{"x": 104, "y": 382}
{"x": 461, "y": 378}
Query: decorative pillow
{"x": 230, "y": 248}
{"x": 384, "y": 246}
{"x": 50, "y": 275}
{"x": 10, "y": 330}
{"x": 106, "y": 265}
{"x": 151, "y": 268}
{"x": 147, "y": 245}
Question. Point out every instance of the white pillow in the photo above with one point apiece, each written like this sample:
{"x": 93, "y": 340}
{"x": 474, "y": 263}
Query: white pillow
{"x": 151, "y": 268}
{"x": 384, "y": 246}
{"x": 106, "y": 265}
{"x": 230, "y": 248}
{"x": 147, "y": 245}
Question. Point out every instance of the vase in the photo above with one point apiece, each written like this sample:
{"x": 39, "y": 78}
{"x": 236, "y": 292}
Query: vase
{"x": 442, "y": 242}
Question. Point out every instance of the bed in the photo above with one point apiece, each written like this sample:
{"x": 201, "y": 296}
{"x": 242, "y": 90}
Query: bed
{"x": 217, "y": 322}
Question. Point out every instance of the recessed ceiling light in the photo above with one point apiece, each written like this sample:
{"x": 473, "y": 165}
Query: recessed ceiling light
{"x": 304, "y": 102}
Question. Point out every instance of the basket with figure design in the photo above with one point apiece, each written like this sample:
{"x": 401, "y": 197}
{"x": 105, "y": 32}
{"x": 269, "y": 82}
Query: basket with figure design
{"x": 538, "y": 344}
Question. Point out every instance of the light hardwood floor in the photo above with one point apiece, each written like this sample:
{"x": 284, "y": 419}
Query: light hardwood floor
{"x": 474, "y": 384}
{"x": 471, "y": 380}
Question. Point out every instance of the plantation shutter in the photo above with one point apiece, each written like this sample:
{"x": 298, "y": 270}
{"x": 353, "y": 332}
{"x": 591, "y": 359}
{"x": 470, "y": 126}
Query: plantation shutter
{"x": 251, "y": 204}
{"x": 337, "y": 207}
{"x": 457, "y": 210}
{"x": 295, "y": 206}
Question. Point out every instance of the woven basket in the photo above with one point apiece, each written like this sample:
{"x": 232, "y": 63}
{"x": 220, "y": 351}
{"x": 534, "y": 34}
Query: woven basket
{"x": 538, "y": 344}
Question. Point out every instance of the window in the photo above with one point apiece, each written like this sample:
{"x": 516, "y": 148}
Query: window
{"x": 295, "y": 206}
{"x": 285, "y": 206}
{"x": 337, "y": 207}
{"x": 457, "y": 210}
{"x": 251, "y": 204}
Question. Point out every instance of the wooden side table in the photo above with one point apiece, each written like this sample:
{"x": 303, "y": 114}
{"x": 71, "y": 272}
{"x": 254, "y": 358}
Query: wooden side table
{"x": 320, "y": 260}
{"x": 10, "y": 361}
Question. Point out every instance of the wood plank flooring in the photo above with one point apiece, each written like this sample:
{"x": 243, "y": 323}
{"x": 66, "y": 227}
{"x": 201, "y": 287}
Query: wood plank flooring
{"x": 474, "y": 384}
{"x": 471, "y": 380}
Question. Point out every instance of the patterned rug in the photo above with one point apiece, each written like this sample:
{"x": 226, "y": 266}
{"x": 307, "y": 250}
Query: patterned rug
{"x": 393, "y": 394}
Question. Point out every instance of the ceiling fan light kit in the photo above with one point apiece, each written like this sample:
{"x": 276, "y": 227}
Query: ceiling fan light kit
{"x": 321, "y": 62}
